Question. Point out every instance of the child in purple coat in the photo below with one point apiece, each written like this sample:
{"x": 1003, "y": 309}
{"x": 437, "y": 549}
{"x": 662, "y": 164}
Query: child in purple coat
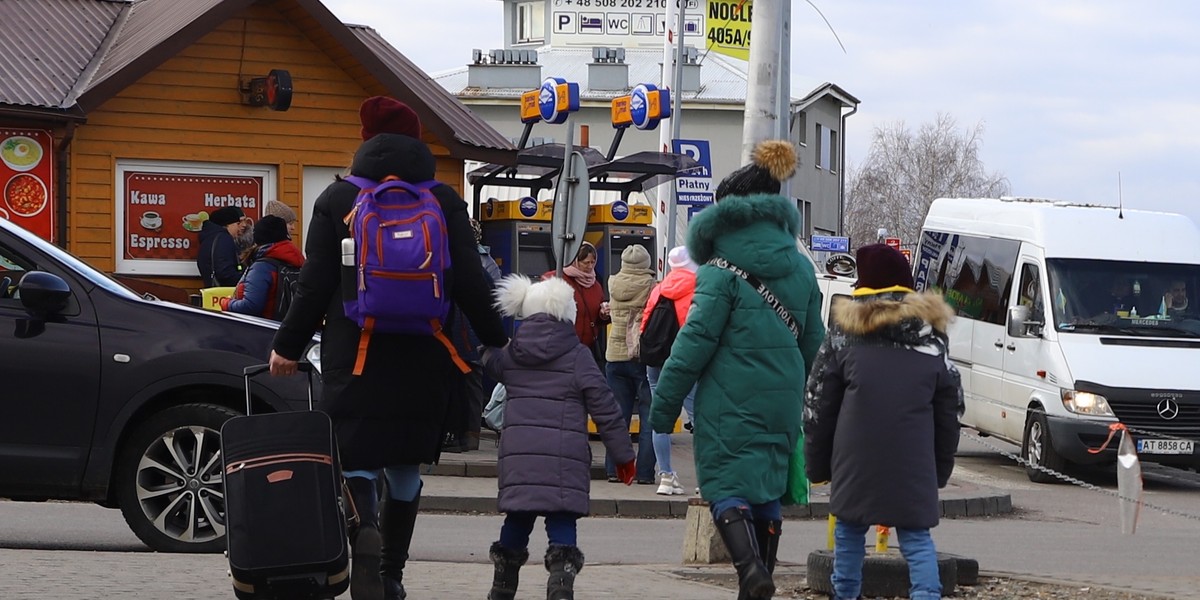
{"x": 545, "y": 461}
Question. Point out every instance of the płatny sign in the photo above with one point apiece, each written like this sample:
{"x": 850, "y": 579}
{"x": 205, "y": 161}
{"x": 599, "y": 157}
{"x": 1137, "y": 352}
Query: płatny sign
{"x": 695, "y": 185}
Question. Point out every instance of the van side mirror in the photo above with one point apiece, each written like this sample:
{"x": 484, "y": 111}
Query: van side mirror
{"x": 1019, "y": 324}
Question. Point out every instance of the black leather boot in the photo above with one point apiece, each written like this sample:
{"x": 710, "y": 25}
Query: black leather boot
{"x": 737, "y": 531}
{"x": 396, "y": 523}
{"x": 563, "y": 563}
{"x": 508, "y": 568}
{"x": 365, "y": 583}
{"x": 767, "y": 533}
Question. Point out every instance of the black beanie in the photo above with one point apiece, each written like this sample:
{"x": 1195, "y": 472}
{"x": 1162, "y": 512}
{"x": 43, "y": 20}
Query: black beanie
{"x": 881, "y": 266}
{"x": 270, "y": 229}
{"x": 226, "y": 216}
{"x": 773, "y": 162}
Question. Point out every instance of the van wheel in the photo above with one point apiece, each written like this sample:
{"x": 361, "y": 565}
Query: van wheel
{"x": 1038, "y": 449}
{"x": 168, "y": 478}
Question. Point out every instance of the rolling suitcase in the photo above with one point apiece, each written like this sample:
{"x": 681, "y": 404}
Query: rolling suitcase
{"x": 285, "y": 523}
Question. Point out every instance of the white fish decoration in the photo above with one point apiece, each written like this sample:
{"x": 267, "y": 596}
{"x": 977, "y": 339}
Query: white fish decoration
{"x": 1129, "y": 483}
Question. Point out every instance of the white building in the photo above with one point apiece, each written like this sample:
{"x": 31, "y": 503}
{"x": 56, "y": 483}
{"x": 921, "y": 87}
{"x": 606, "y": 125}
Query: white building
{"x": 561, "y": 38}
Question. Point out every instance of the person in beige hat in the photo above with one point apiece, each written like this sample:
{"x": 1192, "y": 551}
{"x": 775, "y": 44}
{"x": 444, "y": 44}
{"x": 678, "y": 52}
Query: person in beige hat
{"x": 628, "y": 291}
{"x": 285, "y": 212}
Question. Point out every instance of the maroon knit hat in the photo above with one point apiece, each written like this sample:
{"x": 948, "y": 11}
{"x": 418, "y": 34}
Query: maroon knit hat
{"x": 882, "y": 266}
{"x": 381, "y": 114}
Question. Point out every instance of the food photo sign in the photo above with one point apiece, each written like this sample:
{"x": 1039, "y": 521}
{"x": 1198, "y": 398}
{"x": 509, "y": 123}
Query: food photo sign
{"x": 27, "y": 171}
{"x": 163, "y": 207}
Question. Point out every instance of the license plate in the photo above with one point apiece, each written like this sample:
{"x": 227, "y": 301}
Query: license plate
{"x": 1165, "y": 446}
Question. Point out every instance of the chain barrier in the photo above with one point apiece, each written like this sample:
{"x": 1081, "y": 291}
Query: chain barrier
{"x": 1019, "y": 409}
{"x": 1076, "y": 481}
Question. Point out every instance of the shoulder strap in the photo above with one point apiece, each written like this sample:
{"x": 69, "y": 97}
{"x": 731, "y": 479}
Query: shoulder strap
{"x": 764, "y": 291}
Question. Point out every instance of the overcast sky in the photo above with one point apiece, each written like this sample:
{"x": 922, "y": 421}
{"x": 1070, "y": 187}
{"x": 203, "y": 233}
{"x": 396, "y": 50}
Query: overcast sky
{"x": 1070, "y": 92}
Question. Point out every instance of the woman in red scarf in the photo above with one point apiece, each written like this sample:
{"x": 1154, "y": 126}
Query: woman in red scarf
{"x": 591, "y": 311}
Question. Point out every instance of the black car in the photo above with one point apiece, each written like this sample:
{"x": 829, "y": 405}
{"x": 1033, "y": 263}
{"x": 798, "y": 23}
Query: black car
{"x": 118, "y": 398}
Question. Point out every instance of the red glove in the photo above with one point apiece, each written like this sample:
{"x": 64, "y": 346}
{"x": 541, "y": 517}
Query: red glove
{"x": 224, "y": 303}
{"x": 626, "y": 472}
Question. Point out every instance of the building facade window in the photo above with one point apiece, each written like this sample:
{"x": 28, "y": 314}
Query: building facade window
{"x": 800, "y": 128}
{"x": 833, "y": 151}
{"x": 531, "y": 22}
{"x": 822, "y": 150}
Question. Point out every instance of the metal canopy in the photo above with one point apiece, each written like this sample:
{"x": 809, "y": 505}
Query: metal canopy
{"x": 538, "y": 168}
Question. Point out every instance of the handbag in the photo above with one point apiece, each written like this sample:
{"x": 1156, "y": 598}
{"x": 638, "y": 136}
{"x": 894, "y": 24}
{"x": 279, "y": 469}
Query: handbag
{"x": 493, "y": 413}
{"x": 797, "y": 479}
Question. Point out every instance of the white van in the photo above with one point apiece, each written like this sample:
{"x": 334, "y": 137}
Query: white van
{"x": 1070, "y": 317}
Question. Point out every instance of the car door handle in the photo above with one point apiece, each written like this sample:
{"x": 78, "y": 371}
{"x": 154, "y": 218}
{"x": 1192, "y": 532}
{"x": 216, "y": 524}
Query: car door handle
{"x": 999, "y": 344}
{"x": 1011, "y": 347}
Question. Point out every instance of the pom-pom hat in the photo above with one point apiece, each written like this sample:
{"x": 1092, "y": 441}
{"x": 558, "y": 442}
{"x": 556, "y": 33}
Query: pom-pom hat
{"x": 774, "y": 161}
{"x": 381, "y": 114}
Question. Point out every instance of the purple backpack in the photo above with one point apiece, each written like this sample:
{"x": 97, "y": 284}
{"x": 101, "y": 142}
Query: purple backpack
{"x": 402, "y": 253}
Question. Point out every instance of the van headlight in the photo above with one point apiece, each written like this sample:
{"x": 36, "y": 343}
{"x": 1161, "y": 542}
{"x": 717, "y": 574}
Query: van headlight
{"x": 314, "y": 356}
{"x": 1086, "y": 403}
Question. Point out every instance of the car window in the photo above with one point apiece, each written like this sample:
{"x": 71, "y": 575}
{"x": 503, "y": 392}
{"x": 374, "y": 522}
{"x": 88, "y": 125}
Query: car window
{"x": 12, "y": 267}
{"x": 1030, "y": 291}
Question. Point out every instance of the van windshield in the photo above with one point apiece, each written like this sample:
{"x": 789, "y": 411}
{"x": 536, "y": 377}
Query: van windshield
{"x": 1123, "y": 297}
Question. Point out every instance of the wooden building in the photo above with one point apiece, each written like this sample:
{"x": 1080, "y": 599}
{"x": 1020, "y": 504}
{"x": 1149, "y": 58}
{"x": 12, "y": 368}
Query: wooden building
{"x": 139, "y": 116}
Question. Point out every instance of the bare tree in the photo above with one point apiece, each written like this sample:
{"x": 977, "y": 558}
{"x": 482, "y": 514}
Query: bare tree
{"x": 904, "y": 172}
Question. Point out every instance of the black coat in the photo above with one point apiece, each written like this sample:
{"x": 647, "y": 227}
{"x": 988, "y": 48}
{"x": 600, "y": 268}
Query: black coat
{"x": 218, "y": 257}
{"x": 881, "y": 410}
{"x": 392, "y": 414}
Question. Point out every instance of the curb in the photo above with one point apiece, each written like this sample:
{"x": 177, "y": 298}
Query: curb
{"x": 982, "y": 506}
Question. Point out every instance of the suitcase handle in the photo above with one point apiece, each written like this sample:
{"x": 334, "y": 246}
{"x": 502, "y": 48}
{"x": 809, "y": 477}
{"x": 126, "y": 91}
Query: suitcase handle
{"x": 253, "y": 370}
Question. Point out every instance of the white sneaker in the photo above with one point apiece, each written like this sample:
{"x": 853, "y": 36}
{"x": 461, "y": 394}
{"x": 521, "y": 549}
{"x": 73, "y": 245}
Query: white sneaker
{"x": 668, "y": 485}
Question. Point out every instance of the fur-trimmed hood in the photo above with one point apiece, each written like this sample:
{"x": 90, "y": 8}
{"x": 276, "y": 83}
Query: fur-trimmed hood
{"x": 874, "y": 313}
{"x": 757, "y": 233}
{"x": 519, "y": 297}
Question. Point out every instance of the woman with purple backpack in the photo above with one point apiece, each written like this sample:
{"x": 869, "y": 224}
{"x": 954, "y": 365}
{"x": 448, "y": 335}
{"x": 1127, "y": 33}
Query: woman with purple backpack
{"x": 388, "y": 404}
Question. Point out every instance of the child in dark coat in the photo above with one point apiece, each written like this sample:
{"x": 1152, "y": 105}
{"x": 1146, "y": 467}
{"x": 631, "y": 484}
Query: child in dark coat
{"x": 545, "y": 461}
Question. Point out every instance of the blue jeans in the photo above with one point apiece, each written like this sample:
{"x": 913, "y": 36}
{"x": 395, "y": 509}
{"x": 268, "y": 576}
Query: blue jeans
{"x": 916, "y": 545}
{"x": 560, "y": 529}
{"x": 627, "y": 379}
{"x": 662, "y": 441}
{"x": 767, "y": 511}
{"x": 403, "y": 481}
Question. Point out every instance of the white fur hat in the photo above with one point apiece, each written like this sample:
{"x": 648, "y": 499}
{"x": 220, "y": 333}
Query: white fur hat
{"x": 518, "y": 296}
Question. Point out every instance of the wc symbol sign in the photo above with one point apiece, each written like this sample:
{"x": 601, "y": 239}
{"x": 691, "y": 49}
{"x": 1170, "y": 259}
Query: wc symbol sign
{"x": 695, "y": 185}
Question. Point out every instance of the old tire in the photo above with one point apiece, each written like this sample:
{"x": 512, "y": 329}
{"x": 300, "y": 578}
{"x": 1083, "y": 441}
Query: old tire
{"x": 169, "y": 481}
{"x": 1038, "y": 448}
{"x": 884, "y": 575}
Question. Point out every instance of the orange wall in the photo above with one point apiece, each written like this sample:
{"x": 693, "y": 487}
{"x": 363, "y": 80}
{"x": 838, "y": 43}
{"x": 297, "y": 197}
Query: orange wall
{"x": 189, "y": 109}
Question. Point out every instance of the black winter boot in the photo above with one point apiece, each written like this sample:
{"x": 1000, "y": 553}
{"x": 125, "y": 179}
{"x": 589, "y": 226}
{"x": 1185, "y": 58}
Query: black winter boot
{"x": 563, "y": 563}
{"x": 737, "y": 531}
{"x": 365, "y": 583}
{"x": 508, "y": 568}
{"x": 396, "y": 523}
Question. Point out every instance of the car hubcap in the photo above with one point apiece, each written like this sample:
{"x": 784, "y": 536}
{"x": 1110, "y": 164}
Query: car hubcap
{"x": 179, "y": 484}
{"x": 1035, "y": 443}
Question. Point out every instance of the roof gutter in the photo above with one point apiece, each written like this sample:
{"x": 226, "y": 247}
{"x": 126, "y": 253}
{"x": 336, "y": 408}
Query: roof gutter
{"x": 842, "y": 177}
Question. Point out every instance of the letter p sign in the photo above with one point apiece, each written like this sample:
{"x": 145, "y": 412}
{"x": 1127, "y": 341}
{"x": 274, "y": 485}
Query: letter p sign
{"x": 564, "y": 22}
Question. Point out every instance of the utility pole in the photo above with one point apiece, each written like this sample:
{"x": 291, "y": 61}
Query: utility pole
{"x": 664, "y": 222}
{"x": 785, "y": 87}
{"x": 762, "y": 94}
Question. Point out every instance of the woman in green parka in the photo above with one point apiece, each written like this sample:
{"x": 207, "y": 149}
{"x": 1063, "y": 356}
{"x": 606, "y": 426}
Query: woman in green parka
{"x": 750, "y": 367}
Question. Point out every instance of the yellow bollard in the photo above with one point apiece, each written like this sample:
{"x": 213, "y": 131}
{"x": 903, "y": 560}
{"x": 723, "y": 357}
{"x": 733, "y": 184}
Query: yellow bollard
{"x": 829, "y": 534}
{"x": 881, "y": 539}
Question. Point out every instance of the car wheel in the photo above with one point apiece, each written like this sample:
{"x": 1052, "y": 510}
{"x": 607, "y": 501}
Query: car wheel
{"x": 1038, "y": 449}
{"x": 169, "y": 482}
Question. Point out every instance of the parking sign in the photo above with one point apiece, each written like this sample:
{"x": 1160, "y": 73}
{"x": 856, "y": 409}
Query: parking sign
{"x": 695, "y": 186}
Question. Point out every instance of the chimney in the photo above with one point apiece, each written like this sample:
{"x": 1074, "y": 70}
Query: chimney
{"x": 691, "y": 69}
{"x": 517, "y": 69}
{"x": 608, "y": 72}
